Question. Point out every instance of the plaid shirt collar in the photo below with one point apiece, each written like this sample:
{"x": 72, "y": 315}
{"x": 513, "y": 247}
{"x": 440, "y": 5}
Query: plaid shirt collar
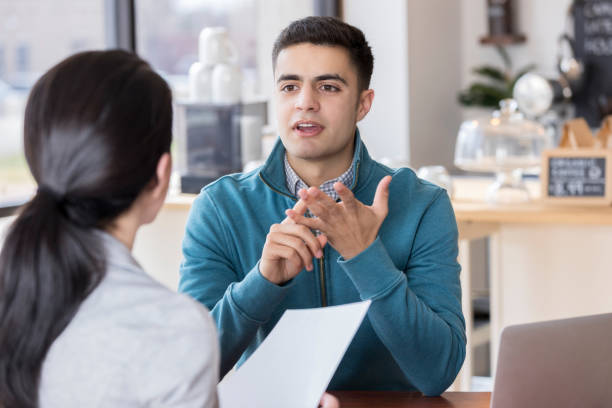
{"x": 295, "y": 183}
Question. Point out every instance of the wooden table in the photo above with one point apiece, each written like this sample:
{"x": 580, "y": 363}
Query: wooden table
{"x": 398, "y": 399}
{"x": 546, "y": 261}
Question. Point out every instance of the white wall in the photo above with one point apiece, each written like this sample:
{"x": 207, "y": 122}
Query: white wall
{"x": 434, "y": 54}
{"x": 385, "y": 129}
{"x": 424, "y": 51}
{"x": 416, "y": 46}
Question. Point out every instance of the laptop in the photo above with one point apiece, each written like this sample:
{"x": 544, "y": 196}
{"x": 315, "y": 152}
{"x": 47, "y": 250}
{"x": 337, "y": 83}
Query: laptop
{"x": 559, "y": 363}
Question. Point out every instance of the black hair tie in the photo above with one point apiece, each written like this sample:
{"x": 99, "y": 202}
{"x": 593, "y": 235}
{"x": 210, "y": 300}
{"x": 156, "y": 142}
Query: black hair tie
{"x": 50, "y": 193}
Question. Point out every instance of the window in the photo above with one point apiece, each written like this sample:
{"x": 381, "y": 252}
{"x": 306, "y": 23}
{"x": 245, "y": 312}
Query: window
{"x": 34, "y": 35}
{"x": 2, "y": 62}
{"x": 22, "y": 58}
{"x": 167, "y": 34}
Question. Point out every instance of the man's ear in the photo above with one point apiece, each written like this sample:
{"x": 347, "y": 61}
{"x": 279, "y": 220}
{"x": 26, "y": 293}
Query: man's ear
{"x": 365, "y": 103}
{"x": 162, "y": 173}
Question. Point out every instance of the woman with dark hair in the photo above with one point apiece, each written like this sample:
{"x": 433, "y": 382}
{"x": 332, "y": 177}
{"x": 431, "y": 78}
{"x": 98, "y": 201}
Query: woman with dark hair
{"x": 81, "y": 324}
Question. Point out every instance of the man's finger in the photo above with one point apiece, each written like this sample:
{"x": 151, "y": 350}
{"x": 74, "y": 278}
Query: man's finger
{"x": 300, "y": 208}
{"x": 329, "y": 401}
{"x": 312, "y": 223}
{"x": 322, "y": 238}
{"x": 297, "y": 245}
{"x": 303, "y": 234}
{"x": 279, "y": 251}
{"x": 381, "y": 198}
{"x": 319, "y": 203}
{"x": 347, "y": 196}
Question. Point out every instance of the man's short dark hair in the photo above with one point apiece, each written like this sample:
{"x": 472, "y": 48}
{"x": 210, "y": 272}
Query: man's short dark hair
{"x": 332, "y": 32}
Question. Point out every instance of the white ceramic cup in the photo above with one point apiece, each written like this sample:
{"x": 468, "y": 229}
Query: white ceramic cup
{"x": 200, "y": 83}
{"x": 226, "y": 84}
{"x": 215, "y": 47}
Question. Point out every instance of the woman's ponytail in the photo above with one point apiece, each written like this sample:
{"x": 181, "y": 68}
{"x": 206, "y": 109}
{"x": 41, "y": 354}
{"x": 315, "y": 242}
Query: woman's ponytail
{"x": 48, "y": 265}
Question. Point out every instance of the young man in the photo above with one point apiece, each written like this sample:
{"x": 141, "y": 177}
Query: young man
{"x": 259, "y": 243}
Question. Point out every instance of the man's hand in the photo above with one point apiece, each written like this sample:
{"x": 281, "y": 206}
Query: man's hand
{"x": 289, "y": 248}
{"x": 329, "y": 401}
{"x": 350, "y": 226}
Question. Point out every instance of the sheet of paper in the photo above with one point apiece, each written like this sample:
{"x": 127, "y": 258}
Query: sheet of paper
{"x": 294, "y": 365}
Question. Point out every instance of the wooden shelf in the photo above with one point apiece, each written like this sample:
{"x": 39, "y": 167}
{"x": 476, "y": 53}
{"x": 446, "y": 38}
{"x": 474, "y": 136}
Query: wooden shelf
{"x": 507, "y": 39}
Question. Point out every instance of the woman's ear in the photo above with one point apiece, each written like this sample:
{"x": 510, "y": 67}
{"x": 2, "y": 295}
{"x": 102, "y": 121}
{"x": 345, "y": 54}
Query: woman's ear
{"x": 162, "y": 173}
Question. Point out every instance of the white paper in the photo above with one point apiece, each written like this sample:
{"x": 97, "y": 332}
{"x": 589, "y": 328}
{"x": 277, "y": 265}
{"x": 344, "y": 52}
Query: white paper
{"x": 294, "y": 365}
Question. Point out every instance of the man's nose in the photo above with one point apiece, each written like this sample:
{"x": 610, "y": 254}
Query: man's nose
{"x": 307, "y": 100}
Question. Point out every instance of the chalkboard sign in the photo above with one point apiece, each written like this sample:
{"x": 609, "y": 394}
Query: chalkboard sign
{"x": 592, "y": 46}
{"x": 577, "y": 176}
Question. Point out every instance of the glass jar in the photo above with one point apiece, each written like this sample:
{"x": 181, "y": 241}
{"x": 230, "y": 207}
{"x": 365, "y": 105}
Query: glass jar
{"x": 504, "y": 143}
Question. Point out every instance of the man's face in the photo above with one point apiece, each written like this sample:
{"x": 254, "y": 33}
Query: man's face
{"x": 318, "y": 101}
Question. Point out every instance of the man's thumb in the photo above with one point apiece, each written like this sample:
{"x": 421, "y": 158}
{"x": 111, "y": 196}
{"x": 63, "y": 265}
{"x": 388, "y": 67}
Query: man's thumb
{"x": 381, "y": 198}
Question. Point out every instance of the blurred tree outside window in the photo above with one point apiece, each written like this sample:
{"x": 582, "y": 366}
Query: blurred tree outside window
{"x": 34, "y": 36}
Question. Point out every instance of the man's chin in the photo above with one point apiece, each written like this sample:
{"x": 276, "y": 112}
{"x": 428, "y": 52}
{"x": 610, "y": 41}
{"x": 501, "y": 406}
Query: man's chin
{"x": 307, "y": 156}
{"x": 304, "y": 152}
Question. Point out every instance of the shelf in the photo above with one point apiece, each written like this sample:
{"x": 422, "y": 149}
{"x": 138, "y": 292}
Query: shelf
{"x": 507, "y": 39}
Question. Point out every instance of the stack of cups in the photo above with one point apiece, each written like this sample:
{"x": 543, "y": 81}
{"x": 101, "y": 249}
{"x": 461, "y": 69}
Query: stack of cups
{"x": 216, "y": 77}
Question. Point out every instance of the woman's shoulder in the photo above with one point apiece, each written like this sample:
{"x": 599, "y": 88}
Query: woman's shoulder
{"x": 133, "y": 299}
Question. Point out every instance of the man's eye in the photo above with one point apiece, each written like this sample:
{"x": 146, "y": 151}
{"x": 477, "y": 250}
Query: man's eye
{"x": 330, "y": 88}
{"x": 288, "y": 88}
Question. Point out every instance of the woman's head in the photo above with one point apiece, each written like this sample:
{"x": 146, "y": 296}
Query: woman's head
{"x": 97, "y": 134}
{"x": 95, "y": 128}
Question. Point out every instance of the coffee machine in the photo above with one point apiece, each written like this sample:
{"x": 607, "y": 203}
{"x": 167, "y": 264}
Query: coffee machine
{"x": 213, "y": 140}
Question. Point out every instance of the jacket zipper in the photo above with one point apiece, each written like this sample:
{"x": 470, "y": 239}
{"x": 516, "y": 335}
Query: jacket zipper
{"x": 322, "y": 281}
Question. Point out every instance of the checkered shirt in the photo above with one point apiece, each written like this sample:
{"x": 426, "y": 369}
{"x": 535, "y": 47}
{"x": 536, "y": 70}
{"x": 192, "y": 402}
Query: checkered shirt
{"x": 295, "y": 183}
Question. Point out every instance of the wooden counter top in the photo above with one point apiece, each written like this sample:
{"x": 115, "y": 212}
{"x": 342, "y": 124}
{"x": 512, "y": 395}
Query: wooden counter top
{"x": 469, "y": 205}
{"x": 532, "y": 213}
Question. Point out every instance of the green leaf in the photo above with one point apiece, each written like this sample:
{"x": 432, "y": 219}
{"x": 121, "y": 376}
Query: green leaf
{"x": 491, "y": 72}
{"x": 480, "y": 94}
{"x": 467, "y": 99}
{"x": 494, "y": 91}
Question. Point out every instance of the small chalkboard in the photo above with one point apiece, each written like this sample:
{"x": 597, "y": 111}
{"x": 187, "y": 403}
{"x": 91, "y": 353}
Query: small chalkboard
{"x": 593, "y": 48}
{"x": 577, "y": 176}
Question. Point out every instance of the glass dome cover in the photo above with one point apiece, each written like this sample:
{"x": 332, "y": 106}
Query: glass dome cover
{"x": 505, "y": 143}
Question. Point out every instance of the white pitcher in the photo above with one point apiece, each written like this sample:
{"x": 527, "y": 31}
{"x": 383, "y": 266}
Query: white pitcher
{"x": 215, "y": 47}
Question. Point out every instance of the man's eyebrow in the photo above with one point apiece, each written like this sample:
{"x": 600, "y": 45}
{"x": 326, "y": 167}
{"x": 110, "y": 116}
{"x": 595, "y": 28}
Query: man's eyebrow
{"x": 288, "y": 77}
{"x": 326, "y": 77}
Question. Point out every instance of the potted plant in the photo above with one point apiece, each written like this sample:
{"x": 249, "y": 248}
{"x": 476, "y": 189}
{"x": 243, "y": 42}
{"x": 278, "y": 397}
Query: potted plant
{"x": 496, "y": 83}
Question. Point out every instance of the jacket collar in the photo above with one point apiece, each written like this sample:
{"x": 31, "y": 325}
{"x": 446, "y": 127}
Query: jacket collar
{"x": 273, "y": 172}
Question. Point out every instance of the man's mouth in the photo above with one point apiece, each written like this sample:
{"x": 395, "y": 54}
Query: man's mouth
{"x": 308, "y": 128}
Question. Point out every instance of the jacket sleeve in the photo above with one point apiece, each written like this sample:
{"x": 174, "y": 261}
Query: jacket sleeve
{"x": 417, "y": 312}
{"x": 239, "y": 301}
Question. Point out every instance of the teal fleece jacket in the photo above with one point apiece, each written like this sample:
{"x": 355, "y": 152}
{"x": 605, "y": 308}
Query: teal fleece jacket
{"x": 413, "y": 337}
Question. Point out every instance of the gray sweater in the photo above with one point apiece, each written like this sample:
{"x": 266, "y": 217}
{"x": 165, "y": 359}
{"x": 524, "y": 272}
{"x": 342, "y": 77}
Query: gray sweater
{"x": 133, "y": 343}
